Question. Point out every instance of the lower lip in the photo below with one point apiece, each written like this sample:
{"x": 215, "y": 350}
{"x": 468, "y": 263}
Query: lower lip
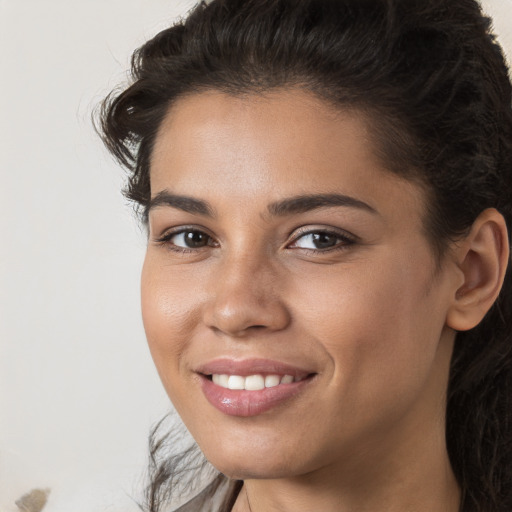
{"x": 250, "y": 403}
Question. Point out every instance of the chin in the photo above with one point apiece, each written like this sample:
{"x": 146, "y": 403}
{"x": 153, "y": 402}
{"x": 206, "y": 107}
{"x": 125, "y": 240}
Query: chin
{"x": 245, "y": 470}
{"x": 242, "y": 463}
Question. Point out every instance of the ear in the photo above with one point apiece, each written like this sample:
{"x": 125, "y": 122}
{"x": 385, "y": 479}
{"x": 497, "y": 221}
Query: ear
{"x": 482, "y": 258}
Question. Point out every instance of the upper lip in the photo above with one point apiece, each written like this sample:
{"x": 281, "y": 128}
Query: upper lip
{"x": 245, "y": 367}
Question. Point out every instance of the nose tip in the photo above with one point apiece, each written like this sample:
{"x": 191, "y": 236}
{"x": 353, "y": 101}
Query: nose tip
{"x": 243, "y": 319}
{"x": 246, "y": 312}
{"x": 246, "y": 302}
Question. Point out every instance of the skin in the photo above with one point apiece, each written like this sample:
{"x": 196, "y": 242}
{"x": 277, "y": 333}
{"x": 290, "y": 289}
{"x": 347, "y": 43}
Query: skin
{"x": 372, "y": 317}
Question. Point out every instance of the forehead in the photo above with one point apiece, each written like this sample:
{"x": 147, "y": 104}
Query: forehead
{"x": 284, "y": 143}
{"x": 287, "y": 124}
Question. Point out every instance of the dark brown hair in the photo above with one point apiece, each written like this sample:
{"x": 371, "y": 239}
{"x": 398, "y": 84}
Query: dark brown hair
{"x": 432, "y": 79}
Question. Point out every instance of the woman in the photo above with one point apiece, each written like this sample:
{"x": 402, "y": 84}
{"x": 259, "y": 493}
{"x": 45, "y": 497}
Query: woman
{"x": 327, "y": 188}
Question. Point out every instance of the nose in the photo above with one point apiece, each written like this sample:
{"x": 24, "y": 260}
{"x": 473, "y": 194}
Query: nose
{"x": 245, "y": 297}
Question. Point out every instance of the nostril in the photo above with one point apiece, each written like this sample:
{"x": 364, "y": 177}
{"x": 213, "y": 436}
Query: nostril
{"x": 239, "y": 316}
{"x": 242, "y": 333}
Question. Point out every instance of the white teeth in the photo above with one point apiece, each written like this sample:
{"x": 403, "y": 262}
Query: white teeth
{"x": 223, "y": 380}
{"x": 254, "y": 382}
{"x": 236, "y": 382}
{"x": 272, "y": 380}
{"x": 251, "y": 382}
{"x": 220, "y": 380}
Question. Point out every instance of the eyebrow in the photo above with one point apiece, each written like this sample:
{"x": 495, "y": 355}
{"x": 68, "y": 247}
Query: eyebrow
{"x": 289, "y": 206}
{"x": 305, "y": 203}
{"x": 184, "y": 203}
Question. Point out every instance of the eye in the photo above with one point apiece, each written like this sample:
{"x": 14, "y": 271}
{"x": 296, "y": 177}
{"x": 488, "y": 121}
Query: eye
{"x": 322, "y": 240}
{"x": 186, "y": 239}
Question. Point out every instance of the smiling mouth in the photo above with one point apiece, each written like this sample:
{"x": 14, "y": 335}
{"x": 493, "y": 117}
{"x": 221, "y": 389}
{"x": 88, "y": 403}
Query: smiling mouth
{"x": 255, "y": 382}
{"x": 252, "y": 387}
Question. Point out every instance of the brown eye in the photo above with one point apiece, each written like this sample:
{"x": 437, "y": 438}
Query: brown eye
{"x": 195, "y": 239}
{"x": 190, "y": 239}
{"x": 324, "y": 240}
{"x": 321, "y": 240}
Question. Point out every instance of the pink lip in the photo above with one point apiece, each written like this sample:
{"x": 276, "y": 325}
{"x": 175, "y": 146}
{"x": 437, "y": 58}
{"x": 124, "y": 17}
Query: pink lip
{"x": 250, "y": 403}
{"x": 247, "y": 367}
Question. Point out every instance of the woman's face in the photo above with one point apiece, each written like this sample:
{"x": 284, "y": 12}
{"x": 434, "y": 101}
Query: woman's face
{"x": 280, "y": 249}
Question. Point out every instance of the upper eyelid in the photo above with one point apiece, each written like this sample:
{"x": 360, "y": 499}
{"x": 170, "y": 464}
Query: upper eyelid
{"x": 342, "y": 233}
{"x": 181, "y": 229}
{"x": 165, "y": 240}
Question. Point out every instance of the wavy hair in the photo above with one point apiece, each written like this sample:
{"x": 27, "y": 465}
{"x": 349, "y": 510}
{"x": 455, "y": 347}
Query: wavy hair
{"x": 432, "y": 79}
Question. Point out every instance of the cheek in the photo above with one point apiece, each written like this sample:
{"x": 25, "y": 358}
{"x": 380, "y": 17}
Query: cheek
{"x": 360, "y": 299}
{"x": 378, "y": 323}
{"x": 168, "y": 312}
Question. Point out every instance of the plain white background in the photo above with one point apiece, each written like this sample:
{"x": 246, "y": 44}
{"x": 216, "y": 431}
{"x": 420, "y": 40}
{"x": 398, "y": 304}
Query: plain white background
{"x": 78, "y": 391}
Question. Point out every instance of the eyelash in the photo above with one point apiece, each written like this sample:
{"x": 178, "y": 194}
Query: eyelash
{"x": 166, "y": 238}
{"x": 345, "y": 240}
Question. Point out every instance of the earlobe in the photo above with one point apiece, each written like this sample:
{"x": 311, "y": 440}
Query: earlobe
{"x": 482, "y": 258}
